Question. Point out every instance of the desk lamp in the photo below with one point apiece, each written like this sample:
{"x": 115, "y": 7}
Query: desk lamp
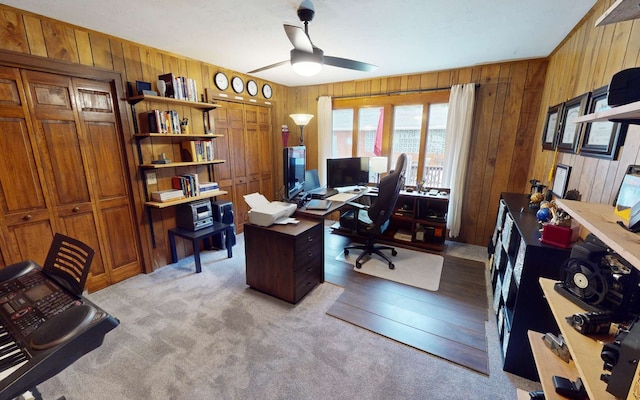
{"x": 377, "y": 166}
{"x": 301, "y": 120}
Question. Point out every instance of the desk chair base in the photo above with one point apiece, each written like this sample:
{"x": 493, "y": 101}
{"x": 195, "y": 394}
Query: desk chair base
{"x": 370, "y": 248}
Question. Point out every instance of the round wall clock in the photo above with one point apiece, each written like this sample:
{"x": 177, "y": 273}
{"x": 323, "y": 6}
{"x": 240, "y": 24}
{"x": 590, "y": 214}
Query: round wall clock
{"x": 266, "y": 91}
{"x": 252, "y": 88}
{"x": 237, "y": 84}
{"x": 221, "y": 81}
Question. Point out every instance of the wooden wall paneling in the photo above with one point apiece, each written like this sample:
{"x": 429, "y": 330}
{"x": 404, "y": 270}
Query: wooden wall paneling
{"x": 60, "y": 41}
{"x": 83, "y": 45}
{"x": 615, "y": 57}
{"x": 12, "y": 32}
{"x": 101, "y": 51}
{"x": 429, "y": 80}
{"x": 35, "y": 36}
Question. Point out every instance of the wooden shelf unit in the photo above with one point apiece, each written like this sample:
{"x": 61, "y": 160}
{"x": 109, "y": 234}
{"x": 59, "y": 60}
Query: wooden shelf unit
{"x": 180, "y": 164}
{"x": 168, "y": 100}
{"x": 585, "y": 351}
{"x": 165, "y": 204}
{"x": 621, "y": 10}
{"x": 629, "y": 113}
{"x": 177, "y": 135}
{"x": 553, "y": 365}
{"x": 601, "y": 220}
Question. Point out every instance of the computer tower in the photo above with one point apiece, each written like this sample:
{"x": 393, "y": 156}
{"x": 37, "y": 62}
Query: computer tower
{"x": 223, "y": 212}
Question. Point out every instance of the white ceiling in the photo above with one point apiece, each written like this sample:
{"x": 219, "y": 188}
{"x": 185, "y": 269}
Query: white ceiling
{"x": 400, "y": 36}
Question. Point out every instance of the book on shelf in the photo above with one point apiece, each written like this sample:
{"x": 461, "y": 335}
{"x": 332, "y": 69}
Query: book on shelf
{"x": 208, "y": 186}
{"x": 188, "y": 183}
{"x": 403, "y": 234}
{"x": 167, "y": 195}
{"x": 197, "y": 150}
{"x": 179, "y": 87}
{"x": 159, "y": 121}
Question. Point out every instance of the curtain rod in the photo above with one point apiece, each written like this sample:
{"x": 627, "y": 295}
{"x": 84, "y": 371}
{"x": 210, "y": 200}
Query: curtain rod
{"x": 395, "y": 92}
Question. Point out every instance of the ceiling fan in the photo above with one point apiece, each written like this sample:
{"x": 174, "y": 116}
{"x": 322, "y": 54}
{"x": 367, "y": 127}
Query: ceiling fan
{"x": 307, "y": 59}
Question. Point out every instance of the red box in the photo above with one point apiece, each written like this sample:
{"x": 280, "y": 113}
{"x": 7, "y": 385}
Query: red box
{"x": 560, "y": 236}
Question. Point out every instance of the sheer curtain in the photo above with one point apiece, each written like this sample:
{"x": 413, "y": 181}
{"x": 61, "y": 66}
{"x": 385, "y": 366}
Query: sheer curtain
{"x": 325, "y": 129}
{"x": 456, "y": 151}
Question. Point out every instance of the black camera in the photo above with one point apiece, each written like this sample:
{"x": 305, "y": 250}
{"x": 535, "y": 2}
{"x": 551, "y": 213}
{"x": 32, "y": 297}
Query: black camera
{"x": 620, "y": 358}
{"x": 592, "y": 323}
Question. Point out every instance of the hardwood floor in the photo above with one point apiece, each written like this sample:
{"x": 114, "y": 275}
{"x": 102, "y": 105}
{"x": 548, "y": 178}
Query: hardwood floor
{"x": 449, "y": 323}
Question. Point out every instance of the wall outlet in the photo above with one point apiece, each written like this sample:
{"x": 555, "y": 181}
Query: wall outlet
{"x": 151, "y": 178}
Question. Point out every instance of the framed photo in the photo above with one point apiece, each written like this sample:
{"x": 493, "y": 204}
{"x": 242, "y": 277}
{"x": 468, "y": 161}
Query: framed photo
{"x": 570, "y": 131}
{"x": 602, "y": 139}
{"x": 561, "y": 180}
{"x": 551, "y": 126}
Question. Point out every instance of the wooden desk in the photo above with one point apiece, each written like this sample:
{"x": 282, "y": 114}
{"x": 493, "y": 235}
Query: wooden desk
{"x": 285, "y": 261}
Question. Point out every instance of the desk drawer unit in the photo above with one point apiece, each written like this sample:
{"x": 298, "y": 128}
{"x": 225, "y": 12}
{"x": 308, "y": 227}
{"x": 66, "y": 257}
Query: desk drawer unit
{"x": 285, "y": 261}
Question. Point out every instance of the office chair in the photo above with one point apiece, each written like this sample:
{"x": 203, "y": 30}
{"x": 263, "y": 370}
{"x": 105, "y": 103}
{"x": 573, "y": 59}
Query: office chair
{"x": 375, "y": 220}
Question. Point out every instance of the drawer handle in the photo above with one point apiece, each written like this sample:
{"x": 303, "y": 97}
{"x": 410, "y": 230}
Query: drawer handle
{"x": 309, "y": 254}
{"x": 309, "y": 239}
{"x": 309, "y": 269}
{"x": 76, "y": 209}
{"x": 27, "y": 217}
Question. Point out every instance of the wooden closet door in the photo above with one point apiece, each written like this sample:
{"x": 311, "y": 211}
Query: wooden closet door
{"x": 26, "y": 224}
{"x": 108, "y": 180}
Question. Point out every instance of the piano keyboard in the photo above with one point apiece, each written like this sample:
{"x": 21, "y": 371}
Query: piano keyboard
{"x": 12, "y": 356}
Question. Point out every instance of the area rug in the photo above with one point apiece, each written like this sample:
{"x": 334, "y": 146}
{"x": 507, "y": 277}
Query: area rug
{"x": 412, "y": 268}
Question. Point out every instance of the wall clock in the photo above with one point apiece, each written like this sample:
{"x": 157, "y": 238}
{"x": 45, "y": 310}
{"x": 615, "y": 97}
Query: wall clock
{"x": 266, "y": 91}
{"x": 237, "y": 84}
{"x": 252, "y": 88}
{"x": 221, "y": 81}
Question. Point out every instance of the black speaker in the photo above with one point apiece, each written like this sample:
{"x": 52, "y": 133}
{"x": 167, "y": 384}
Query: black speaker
{"x": 223, "y": 212}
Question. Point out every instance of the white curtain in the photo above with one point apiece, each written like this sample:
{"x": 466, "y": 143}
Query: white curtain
{"x": 325, "y": 129}
{"x": 456, "y": 151}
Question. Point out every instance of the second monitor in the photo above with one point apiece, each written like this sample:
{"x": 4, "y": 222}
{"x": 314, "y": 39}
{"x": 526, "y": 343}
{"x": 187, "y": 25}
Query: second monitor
{"x": 343, "y": 172}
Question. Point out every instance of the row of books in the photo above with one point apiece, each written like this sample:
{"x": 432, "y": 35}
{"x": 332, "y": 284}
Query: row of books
{"x": 179, "y": 193}
{"x": 163, "y": 121}
{"x": 179, "y": 87}
{"x": 197, "y": 150}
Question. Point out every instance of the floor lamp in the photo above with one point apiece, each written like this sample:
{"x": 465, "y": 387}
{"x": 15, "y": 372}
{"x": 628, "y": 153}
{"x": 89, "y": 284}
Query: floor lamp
{"x": 301, "y": 120}
{"x": 378, "y": 165}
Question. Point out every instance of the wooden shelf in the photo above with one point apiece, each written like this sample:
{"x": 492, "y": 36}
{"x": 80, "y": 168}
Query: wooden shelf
{"x": 621, "y": 10}
{"x": 168, "y": 100}
{"x": 625, "y": 113}
{"x": 178, "y": 135}
{"x": 549, "y": 365}
{"x": 601, "y": 220}
{"x": 584, "y": 350}
{"x": 165, "y": 204}
{"x": 180, "y": 164}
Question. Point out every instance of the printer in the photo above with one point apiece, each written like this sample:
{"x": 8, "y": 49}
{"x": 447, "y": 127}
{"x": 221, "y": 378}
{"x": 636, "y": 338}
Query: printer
{"x": 265, "y": 213}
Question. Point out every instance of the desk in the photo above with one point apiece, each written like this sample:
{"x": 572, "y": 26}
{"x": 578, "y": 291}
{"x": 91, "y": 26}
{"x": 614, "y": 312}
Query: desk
{"x": 285, "y": 261}
{"x": 194, "y": 236}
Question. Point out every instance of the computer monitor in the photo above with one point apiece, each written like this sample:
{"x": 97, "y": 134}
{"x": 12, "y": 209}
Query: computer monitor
{"x": 294, "y": 166}
{"x": 352, "y": 171}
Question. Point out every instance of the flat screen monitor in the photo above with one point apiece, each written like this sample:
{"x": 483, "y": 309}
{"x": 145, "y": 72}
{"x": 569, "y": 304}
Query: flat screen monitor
{"x": 343, "y": 172}
{"x": 294, "y": 166}
{"x": 629, "y": 192}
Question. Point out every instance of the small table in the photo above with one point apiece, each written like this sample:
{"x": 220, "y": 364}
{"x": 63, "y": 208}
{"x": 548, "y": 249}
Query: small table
{"x": 194, "y": 236}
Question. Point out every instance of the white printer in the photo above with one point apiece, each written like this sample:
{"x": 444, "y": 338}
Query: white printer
{"x": 265, "y": 213}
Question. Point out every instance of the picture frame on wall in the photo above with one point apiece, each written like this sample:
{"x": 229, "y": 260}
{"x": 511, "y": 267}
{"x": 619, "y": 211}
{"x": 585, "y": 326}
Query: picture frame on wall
{"x": 570, "y": 131}
{"x": 551, "y": 125}
{"x": 602, "y": 139}
{"x": 560, "y": 180}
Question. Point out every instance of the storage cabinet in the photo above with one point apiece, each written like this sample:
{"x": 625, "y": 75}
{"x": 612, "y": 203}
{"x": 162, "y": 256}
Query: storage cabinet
{"x": 420, "y": 220}
{"x": 65, "y": 172}
{"x": 518, "y": 261}
{"x": 285, "y": 261}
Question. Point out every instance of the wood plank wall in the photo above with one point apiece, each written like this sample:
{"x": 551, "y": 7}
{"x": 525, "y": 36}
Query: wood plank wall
{"x": 507, "y": 118}
{"x": 32, "y": 34}
{"x": 586, "y": 60}
{"x": 507, "y": 108}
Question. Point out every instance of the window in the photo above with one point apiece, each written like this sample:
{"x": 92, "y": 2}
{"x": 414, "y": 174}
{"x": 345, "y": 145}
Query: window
{"x": 391, "y": 125}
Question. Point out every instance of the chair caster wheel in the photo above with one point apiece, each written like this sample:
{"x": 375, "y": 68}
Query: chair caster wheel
{"x": 358, "y": 265}
{"x": 346, "y": 252}
{"x": 391, "y": 266}
{"x": 394, "y": 253}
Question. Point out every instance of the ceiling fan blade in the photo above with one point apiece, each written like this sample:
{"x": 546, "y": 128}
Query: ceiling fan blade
{"x": 350, "y": 64}
{"x": 269, "y": 67}
{"x": 298, "y": 38}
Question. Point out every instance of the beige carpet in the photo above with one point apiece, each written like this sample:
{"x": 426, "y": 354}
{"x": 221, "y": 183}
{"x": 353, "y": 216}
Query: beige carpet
{"x": 413, "y": 268}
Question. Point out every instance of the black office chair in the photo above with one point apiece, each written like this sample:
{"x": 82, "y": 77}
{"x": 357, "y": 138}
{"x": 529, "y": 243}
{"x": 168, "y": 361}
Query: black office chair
{"x": 375, "y": 220}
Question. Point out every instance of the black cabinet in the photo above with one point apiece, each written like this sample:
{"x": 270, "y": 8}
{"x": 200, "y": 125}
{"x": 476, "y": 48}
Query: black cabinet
{"x": 518, "y": 260}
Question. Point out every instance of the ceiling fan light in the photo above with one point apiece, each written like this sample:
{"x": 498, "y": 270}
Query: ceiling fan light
{"x": 306, "y": 68}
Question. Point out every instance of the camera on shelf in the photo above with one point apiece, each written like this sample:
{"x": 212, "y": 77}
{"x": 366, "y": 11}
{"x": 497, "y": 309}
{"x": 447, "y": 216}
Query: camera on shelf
{"x": 593, "y": 323}
{"x": 620, "y": 359}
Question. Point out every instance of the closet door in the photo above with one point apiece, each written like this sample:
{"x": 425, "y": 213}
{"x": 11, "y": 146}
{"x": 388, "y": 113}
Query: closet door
{"x": 26, "y": 224}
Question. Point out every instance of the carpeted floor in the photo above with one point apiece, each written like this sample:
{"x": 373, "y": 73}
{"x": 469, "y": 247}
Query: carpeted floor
{"x": 207, "y": 336}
